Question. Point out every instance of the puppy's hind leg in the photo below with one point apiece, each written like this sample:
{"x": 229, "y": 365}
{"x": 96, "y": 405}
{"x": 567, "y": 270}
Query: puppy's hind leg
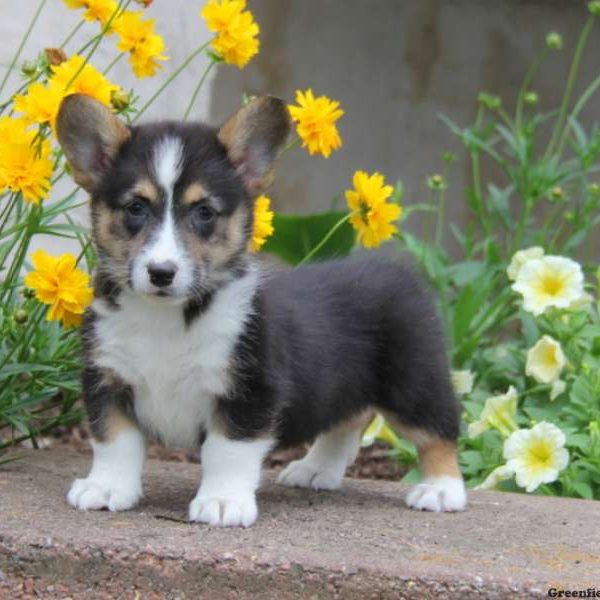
{"x": 442, "y": 488}
{"x": 325, "y": 464}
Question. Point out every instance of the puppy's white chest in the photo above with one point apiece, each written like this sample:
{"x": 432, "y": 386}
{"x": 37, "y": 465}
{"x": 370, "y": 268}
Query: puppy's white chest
{"x": 176, "y": 372}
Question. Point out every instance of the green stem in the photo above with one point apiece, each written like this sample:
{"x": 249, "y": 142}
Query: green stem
{"x": 531, "y": 73}
{"x": 73, "y": 33}
{"x": 113, "y": 62}
{"x": 295, "y": 142}
{"x": 173, "y": 75}
{"x": 558, "y": 135}
{"x": 587, "y": 94}
{"x": 197, "y": 90}
{"x": 22, "y": 44}
{"x": 441, "y": 213}
{"x": 120, "y": 9}
{"x": 325, "y": 239}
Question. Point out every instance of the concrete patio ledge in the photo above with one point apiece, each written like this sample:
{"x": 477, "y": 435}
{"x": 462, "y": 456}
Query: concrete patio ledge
{"x": 360, "y": 542}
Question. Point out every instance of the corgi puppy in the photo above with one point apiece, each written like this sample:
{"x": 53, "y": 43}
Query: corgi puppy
{"x": 189, "y": 341}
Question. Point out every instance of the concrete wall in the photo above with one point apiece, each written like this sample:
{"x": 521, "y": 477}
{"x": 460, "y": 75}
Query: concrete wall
{"x": 178, "y": 21}
{"x": 395, "y": 65}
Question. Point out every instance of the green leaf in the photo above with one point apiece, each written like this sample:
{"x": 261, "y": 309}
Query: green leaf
{"x": 296, "y": 235}
{"x": 584, "y": 490}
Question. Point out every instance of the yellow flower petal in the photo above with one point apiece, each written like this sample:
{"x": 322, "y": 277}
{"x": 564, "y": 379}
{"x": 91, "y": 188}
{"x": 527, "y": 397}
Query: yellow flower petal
{"x": 263, "y": 223}
{"x": 58, "y": 282}
{"x": 372, "y": 216}
{"x": 315, "y": 122}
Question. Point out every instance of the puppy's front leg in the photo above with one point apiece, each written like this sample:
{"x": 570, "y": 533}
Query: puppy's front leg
{"x": 230, "y": 477}
{"x": 115, "y": 479}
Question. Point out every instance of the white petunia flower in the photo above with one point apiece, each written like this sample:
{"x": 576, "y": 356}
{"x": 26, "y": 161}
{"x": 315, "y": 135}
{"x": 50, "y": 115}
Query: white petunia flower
{"x": 495, "y": 477}
{"x": 498, "y": 412}
{"x": 545, "y": 360}
{"x": 536, "y": 455}
{"x": 462, "y": 381}
{"x": 558, "y": 387}
{"x": 520, "y": 258}
{"x": 549, "y": 281}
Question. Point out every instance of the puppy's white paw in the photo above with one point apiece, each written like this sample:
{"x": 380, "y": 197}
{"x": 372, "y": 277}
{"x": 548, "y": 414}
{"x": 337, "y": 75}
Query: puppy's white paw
{"x": 302, "y": 473}
{"x": 221, "y": 511}
{"x": 438, "y": 494}
{"x": 92, "y": 494}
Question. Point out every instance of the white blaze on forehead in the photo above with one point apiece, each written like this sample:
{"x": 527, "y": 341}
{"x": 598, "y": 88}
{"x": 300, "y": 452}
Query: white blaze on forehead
{"x": 168, "y": 156}
{"x": 165, "y": 244}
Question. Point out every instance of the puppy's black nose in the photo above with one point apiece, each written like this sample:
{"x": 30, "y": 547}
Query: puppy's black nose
{"x": 162, "y": 274}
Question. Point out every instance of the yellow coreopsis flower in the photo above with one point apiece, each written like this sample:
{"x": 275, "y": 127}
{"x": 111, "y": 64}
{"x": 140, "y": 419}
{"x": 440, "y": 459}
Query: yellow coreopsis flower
{"x": 137, "y": 36}
{"x": 536, "y": 455}
{"x": 25, "y": 166}
{"x": 315, "y": 122}
{"x": 550, "y": 281}
{"x": 498, "y": 412}
{"x": 263, "y": 223}
{"x": 372, "y": 216}
{"x": 41, "y": 103}
{"x": 545, "y": 360}
{"x": 96, "y": 10}
{"x": 236, "y": 40}
{"x": 58, "y": 282}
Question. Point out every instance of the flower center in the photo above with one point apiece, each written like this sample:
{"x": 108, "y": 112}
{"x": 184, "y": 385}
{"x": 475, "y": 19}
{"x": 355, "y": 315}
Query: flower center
{"x": 552, "y": 285}
{"x": 539, "y": 455}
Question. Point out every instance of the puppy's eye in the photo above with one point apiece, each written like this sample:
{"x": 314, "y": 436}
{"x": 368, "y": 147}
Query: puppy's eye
{"x": 203, "y": 213}
{"x": 137, "y": 212}
{"x": 138, "y": 207}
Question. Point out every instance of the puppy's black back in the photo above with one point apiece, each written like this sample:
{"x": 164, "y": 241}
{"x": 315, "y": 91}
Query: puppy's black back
{"x": 341, "y": 336}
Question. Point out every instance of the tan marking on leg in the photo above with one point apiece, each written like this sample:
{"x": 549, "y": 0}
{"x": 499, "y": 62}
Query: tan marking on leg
{"x": 439, "y": 457}
{"x": 116, "y": 423}
{"x": 436, "y": 455}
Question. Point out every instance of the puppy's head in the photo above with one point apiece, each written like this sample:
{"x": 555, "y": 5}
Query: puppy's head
{"x": 172, "y": 203}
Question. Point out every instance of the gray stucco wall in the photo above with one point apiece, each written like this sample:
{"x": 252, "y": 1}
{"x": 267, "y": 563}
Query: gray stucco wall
{"x": 395, "y": 65}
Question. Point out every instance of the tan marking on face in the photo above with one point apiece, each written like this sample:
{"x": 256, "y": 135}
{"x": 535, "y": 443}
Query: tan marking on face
{"x": 145, "y": 188}
{"x": 194, "y": 193}
{"x": 110, "y": 234}
{"x": 106, "y": 224}
{"x": 229, "y": 237}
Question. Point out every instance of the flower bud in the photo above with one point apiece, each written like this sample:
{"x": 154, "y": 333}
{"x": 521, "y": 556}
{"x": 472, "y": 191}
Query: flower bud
{"x": 556, "y": 194}
{"x": 29, "y": 68}
{"x": 120, "y": 99}
{"x": 594, "y": 7}
{"x": 21, "y": 316}
{"x": 594, "y": 190}
{"x": 554, "y": 41}
{"x": 55, "y": 56}
{"x": 531, "y": 98}
{"x": 449, "y": 157}
{"x": 436, "y": 182}
{"x": 489, "y": 101}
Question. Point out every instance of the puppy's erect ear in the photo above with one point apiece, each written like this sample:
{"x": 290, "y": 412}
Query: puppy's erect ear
{"x": 90, "y": 136}
{"x": 253, "y": 137}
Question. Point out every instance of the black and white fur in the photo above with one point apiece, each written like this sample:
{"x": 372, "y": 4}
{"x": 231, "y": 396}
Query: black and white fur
{"x": 191, "y": 342}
